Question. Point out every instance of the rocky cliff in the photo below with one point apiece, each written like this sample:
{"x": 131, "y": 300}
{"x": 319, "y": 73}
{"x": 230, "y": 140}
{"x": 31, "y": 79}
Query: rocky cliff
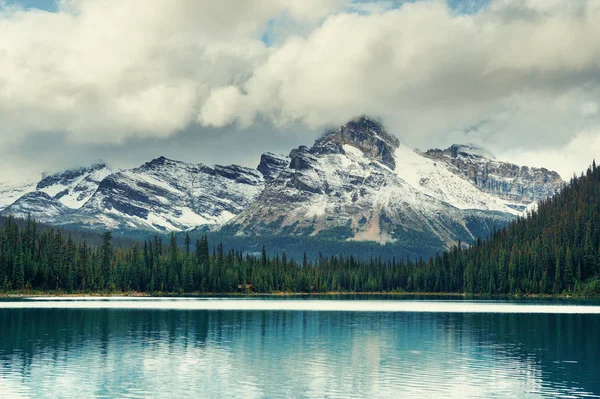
{"x": 520, "y": 185}
{"x": 355, "y": 183}
{"x": 359, "y": 183}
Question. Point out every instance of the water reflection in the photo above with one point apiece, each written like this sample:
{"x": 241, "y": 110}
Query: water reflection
{"x": 51, "y": 353}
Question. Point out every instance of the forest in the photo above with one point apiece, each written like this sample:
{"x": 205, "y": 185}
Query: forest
{"x": 553, "y": 250}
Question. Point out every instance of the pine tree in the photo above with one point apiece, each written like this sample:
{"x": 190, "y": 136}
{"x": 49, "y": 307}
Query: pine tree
{"x": 264, "y": 256}
{"x": 188, "y": 278}
{"x": 85, "y": 269}
{"x": 589, "y": 258}
{"x": 187, "y": 244}
{"x": 569, "y": 275}
{"x": 557, "y": 287}
{"x": 18, "y": 276}
{"x": 105, "y": 259}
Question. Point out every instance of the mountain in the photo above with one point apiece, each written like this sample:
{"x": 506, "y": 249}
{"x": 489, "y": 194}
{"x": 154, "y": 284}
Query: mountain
{"x": 355, "y": 183}
{"x": 10, "y": 192}
{"x": 168, "y": 195}
{"x": 39, "y": 205}
{"x": 58, "y": 194}
{"x": 519, "y": 185}
{"x": 73, "y": 188}
{"x": 161, "y": 195}
{"x": 555, "y": 250}
{"x": 359, "y": 183}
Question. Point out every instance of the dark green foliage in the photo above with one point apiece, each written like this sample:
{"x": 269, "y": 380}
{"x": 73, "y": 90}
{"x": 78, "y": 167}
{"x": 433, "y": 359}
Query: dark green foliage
{"x": 555, "y": 250}
{"x": 18, "y": 276}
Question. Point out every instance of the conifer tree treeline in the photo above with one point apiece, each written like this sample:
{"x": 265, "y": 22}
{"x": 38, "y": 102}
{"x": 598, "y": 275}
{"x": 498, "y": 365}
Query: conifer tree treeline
{"x": 554, "y": 250}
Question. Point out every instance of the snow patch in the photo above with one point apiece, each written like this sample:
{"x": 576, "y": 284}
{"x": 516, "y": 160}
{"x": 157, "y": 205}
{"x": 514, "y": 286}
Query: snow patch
{"x": 10, "y": 192}
{"x": 435, "y": 180}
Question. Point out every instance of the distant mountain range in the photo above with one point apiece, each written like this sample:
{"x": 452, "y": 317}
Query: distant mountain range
{"x": 356, "y": 183}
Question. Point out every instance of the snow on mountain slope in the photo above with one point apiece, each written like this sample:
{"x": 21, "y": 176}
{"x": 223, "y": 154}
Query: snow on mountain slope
{"x": 346, "y": 192}
{"x": 74, "y": 187}
{"x": 437, "y": 181}
{"x": 519, "y": 186}
{"x": 359, "y": 183}
{"x": 10, "y": 192}
{"x": 39, "y": 205}
{"x": 168, "y": 195}
{"x": 56, "y": 195}
{"x": 355, "y": 183}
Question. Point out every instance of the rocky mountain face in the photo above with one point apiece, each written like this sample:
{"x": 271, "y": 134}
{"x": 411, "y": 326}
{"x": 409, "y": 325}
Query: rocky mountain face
{"x": 57, "y": 194}
{"x": 520, "y": 185}
{"x": 355, "y": 183}
{"x": 161, "y": 195}
{"x": 364, "y": 134}
{"x": 168, "y": 195}
{"x": 10, "y": 192}
{"x": 359, "y": 183}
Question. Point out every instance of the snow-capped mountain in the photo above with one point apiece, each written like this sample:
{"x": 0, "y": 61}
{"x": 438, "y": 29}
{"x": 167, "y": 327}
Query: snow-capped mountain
{"x": 168, "y": 195}
{"x": 10, "y": 192}
{"x": 357, "y": 182}
{"x": 73, "y": 188}
{"x": 58, "y": 194}
{"x": 161, "y": 195}
{"x": 519, "y": 185}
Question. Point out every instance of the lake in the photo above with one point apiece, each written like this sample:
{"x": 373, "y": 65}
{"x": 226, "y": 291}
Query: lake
{"x": 383, "y": 347}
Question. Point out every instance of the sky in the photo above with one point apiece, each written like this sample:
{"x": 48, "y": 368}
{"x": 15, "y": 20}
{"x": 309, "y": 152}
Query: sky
{"x": 222, "y": 82}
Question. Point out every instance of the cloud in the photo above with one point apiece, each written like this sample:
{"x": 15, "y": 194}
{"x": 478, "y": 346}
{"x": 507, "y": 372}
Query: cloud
{"x": 509, "y": 74}
{"x": 589, "y": 109}
{"x": 525, "y": 67}
{"x": 104, "y": 71}
{"x": 573, "y": 158}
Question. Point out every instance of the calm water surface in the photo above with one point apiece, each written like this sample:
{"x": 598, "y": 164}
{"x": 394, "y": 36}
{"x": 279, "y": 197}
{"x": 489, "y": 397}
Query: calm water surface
{"x": 191, "y": 349}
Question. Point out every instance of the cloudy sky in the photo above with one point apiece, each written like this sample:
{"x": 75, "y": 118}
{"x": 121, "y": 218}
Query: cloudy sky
{"x": 223, "y": 81}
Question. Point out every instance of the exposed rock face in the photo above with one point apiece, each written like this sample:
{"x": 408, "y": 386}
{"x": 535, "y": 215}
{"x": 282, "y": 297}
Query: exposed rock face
{"x": 67, "y": 177}
{"x": 271, "y": 165}
{"x": 168, "y": 195}
{"x": 39, "y": 205}
{"x": 356, "y": 183}
{"x": 160, "y": 195}
{"x": 469, "y": 151}
{"x": 521, "y": 185}
{"x": 363, "y": 133}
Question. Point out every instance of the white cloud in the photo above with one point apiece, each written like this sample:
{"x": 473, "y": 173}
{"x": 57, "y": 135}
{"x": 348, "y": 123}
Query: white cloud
{"x": 516, "y": 74}
{"x": 518, "y": 69}
{"x": 573, "y": 158}
{"x": 589, "y": 109}
{"x": 103, "y": 71}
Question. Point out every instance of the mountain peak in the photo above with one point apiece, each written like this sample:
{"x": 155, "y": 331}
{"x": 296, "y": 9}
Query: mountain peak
{"x": 158, "y": 163}
{"x": 470, "y": 150}
{"x": 98, "y": 165}
{"x": 364, "y": 133}
{"x": 159, "y": 160}
{"x": 520, "y": 185}
{"x": 68, "y": 175}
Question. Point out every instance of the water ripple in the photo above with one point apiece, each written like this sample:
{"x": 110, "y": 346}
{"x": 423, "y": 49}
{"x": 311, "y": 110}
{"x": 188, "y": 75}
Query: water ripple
{"x": 92, "y": 352}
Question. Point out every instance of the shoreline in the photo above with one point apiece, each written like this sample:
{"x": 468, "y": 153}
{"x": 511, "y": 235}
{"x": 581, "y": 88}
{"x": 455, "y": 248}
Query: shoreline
{"x": 33, "y": 294}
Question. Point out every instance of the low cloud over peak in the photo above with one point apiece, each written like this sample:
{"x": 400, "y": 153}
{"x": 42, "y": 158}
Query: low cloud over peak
{"x": 520, "y": 76}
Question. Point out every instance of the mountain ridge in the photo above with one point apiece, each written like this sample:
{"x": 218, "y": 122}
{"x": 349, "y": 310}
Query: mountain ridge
{"x": 356, "y": 182}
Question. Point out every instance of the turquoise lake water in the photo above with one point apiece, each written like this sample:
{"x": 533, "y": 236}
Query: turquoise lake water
{"x": 296, "y": 347}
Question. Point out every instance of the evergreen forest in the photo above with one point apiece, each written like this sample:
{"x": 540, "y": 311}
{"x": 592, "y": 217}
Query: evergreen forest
{"x": 553, "y": 250}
